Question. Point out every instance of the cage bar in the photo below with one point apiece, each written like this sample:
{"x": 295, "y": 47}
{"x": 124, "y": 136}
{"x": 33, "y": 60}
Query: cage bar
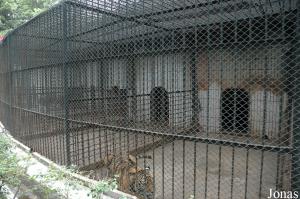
{"x": 179, "y": 98}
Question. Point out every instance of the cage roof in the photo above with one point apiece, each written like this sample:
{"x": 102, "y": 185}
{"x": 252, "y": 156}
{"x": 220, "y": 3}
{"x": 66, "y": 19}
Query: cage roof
{"x": 117, "y": 19}
{"x": 108, "y": 20}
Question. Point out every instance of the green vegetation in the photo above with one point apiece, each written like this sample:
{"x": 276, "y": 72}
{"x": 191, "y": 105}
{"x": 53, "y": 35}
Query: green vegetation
{"x": 10, "y": 171}
{"x": 13, "y": 174}
{"x": 15, "y": 12}
{"x": 103, "y": 186}
{"x": 13, "y": 170}
{"x": 62, "y": 174}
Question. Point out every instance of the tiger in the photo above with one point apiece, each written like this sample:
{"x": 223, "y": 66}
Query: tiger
{"x": 131, "y": 177}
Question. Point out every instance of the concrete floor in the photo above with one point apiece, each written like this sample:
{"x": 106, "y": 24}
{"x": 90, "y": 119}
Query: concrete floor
{"x": 180, "y": 167}
{"x": 185, "y": 170}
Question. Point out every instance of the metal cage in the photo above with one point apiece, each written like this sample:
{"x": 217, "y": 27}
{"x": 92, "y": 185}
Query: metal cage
{"x": 179, "y": 98}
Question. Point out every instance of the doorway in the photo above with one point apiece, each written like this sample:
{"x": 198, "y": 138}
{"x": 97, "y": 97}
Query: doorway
{"x": 159, "y": 105}
{"x": 235, "y": 110}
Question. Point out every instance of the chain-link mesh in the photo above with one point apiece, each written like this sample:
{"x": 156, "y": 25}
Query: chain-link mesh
{"x": 178, "y": 98}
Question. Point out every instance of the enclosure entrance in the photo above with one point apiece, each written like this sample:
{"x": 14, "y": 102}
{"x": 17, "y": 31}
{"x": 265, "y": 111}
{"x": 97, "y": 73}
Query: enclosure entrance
{"x": 235, "y": 110}
{"x": 159, "y": 105}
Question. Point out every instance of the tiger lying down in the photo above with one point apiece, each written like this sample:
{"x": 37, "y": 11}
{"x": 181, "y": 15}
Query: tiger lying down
{"x": 132, "y": 178}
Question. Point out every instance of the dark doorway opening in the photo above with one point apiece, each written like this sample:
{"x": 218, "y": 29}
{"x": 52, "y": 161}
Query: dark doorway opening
{"x": 235, "y": 110}
{"x": 159, "y": 105}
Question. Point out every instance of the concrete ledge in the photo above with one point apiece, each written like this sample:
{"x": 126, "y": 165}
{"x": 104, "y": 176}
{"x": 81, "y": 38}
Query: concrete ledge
{"x": 84, "y": 180}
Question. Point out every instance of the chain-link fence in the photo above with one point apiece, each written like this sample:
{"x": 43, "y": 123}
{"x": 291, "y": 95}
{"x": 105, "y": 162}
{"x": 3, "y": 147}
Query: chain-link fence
{"x": 179, "y": 98}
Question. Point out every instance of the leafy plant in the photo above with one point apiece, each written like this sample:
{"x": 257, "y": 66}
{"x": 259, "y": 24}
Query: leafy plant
{"x": 104, "y": 186}
{"x": 10, "y": 171}
{"x": 11, "y": 174}
{"x": 12, "y": 168}
{"x": 55, "y": 174}
{"x": 16, "y": 12}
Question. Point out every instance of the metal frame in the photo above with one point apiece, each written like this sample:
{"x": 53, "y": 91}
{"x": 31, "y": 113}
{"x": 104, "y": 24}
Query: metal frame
{"x": 76, "y": 83}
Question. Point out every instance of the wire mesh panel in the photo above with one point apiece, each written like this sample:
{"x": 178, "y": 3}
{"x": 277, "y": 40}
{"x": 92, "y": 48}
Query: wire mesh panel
{"x": 177, "y": 98}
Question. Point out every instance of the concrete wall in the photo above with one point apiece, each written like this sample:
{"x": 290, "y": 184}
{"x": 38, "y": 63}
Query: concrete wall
{"x": 256, "y": 70}
{"x": 172, "y": 72}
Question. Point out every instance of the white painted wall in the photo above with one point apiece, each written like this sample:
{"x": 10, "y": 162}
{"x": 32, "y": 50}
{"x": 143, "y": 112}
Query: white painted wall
{"x": 238, "y": 68}
{"x": 169, "y": 71}
{"x": 209, "y": 116}
{"x": 172, "y": 72}
{"x": 115, "y": 73}
{"x": 270, "y": 111}
{"x": 242, "y": 69}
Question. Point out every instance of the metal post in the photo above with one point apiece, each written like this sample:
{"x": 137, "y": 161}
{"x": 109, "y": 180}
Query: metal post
{"x": 194, "y": 88}
{"x": 132, "y": 87}
{"x": 66, "y": 84}
{"x": 296, "y": 115}
{"x": 9, "y": 122}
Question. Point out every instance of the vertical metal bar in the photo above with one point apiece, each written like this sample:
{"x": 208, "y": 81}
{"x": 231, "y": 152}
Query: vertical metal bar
{"x": 264, "y": 106}
{"x": 135, "y": 149}
{"x": 94, "y": 144}
{"x": 219, "y": 170}
{"x": 296, "y": 115}
{"x": 221, "y": 104}
{"x": 100, "y": 143}
{"x": 88, "y": 147}
{"x": 163, "y": 166}
{"x": 144, "y": 151}
{"x": 207, "y": 107}
{"x": 232, "y": 172}
{"x": 153, "y": 166}
{"x": 183, "y": 168}
{"x": 173, "y": 171}
{"x": 235, "y": 98}
{"x": 10, "y": 84}
{"x": 132, "y": 87}
{"x": 194, "y": 88}
{"x": 66, "y": 83}
{"x": 195, "y": 169}
{"x": 247, "y": 172}
{"x": 277, "y": 171}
